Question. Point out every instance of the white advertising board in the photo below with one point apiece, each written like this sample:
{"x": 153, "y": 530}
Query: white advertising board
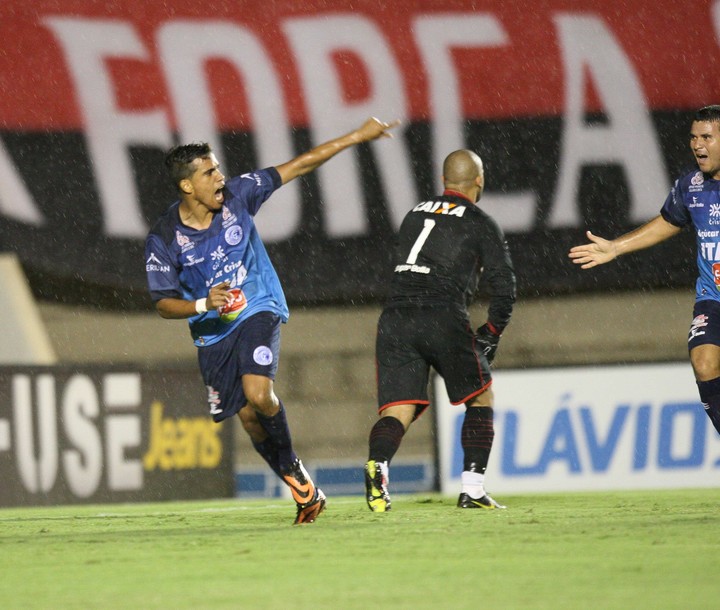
{"x": 588, "y": 428}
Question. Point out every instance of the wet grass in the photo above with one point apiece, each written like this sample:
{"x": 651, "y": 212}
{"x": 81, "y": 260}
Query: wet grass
{"x": 594, "y": 550}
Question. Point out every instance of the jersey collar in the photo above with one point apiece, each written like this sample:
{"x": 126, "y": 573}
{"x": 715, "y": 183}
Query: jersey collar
{"x": 448, "y": 192}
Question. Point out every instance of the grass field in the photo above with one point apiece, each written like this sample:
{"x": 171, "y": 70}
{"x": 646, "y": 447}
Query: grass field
{"x": 629, "y": 550}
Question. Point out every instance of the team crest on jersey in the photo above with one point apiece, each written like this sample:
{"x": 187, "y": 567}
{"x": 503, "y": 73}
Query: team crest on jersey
{"x": 263, "y": 355}
{"x": 234, "y": 235}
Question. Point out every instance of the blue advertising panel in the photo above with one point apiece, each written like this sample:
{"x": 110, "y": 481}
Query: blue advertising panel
{"x": 589, "y": 428}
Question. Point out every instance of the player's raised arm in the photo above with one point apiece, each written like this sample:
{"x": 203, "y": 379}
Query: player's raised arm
{"x": 372, "y": 129}
{"x": 600, "y": 251}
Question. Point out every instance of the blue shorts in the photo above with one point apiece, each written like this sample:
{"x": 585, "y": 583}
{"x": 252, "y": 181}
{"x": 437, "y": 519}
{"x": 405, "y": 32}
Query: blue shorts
{"x": 253, "y": 348}
{"x": 705, "y": 327}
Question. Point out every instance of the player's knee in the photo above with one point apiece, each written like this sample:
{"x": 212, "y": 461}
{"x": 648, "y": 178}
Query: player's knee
{"x": 263, "y": 402}
{"x": 260, "y": 395}
{"x": 484, "y": 399}
{"x": 705, "y": 364}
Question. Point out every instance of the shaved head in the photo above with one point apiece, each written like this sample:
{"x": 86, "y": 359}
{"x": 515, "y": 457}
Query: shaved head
{"x": 462, "y": 171}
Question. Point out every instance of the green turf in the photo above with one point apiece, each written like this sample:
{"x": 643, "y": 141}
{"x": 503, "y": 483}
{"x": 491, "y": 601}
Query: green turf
{"x": 631, "y": 550}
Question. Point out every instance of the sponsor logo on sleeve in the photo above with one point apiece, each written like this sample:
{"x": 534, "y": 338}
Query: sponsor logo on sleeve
{"x": 154, "y": 264}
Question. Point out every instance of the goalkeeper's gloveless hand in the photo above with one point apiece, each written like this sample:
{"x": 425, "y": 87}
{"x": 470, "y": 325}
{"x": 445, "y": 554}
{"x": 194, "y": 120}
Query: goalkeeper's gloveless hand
{"x": 488, "y": 341}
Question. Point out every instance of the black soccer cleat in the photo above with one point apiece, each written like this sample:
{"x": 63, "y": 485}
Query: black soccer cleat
{"x": 486, "y": 502}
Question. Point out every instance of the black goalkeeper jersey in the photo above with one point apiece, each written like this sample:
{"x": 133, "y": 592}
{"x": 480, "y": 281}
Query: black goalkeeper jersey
{"x": 443, "y": 246}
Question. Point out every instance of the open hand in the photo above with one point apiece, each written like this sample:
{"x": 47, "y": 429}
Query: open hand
{"x": 598, "y": 252}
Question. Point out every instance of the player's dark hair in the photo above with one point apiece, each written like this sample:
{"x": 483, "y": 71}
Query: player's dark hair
{"x": 710, "y": 114}
{"x": 179, "y": 159}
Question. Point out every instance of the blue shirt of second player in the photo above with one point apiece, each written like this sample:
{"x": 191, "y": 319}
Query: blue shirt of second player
{"x": 184, "y": 263}
{"x": 695, "y": 199}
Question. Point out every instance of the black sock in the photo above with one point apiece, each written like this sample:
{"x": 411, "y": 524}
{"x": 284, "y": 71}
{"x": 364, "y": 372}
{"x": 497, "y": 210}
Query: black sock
{"x": 269, "y": 453}
{"x": 713, "y": 412}
{"x": 385, "y": 438}
{"x": 710, "y": 397}
{"x": 279, "y": 435}
{"x": 476, "y": 438}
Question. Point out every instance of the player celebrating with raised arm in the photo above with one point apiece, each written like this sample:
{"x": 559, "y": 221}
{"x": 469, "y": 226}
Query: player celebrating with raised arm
{"x": 205, "y": 262}
{"x": 693, "y": 201}
{"x": 442, "y": 246}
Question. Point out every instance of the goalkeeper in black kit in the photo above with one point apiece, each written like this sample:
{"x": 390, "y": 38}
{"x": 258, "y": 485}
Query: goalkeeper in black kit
{"x": 443, "y": 246}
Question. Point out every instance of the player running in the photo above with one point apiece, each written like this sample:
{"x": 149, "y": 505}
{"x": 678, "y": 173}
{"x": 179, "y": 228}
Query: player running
{"x": 205, "y": 262}
{"x": 443, "y": 245}
{"x": 693, "y": 201}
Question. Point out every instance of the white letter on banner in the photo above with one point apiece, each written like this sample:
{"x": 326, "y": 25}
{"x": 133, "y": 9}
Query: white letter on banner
{"x": 38, "y": 475}
{"x": 15, "y": 200}
{"x": 435, "y": 37}
{"x": 87, "y": 43}
{"x": 84, "y": 463}
{"x": 627, "y": 139}
{"x": 185, "y": 47}
{"x": 313, "y": 40}
{"x": 123, "y": 392}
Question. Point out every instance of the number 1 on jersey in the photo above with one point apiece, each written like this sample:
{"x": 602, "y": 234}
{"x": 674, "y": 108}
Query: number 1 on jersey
{"x": 420, "y": 241}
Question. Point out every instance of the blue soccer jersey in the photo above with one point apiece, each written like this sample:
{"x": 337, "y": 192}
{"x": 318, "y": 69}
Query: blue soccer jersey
{"x": 184, "y": 263}
{"x": 695, "y": 199}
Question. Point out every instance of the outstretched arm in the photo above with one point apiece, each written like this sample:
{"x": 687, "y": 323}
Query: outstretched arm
{"x": 303, "y": 164}
{"x": 600, "y": 251}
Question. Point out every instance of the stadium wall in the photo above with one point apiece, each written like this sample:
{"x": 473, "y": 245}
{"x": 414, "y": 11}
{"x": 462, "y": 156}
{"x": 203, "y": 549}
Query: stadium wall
{"x": 327, "y": 371}
{"x": 87, "y": 428}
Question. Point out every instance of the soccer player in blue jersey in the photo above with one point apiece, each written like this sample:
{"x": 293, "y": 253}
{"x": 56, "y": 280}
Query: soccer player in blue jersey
{"x": 693, "y": 201}
{"x": 205, "y": 262}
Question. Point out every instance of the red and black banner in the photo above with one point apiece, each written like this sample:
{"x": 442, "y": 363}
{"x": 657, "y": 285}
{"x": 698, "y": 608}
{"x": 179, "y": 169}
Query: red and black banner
{"x": 579, "y": 109}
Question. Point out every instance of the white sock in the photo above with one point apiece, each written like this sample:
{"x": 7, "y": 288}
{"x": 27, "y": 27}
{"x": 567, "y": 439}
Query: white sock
{"x": 473, "y": 484}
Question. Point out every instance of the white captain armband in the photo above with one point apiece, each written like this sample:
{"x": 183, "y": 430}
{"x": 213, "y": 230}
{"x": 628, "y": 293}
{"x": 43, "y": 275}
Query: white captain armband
{"x": 201, "y": 305}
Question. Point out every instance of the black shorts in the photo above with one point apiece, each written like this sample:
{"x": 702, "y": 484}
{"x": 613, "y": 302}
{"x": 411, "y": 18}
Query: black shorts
{"x": 252, "y": 348}
{"x": 410, "y": 340}
{"x": 705, "y": 327}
